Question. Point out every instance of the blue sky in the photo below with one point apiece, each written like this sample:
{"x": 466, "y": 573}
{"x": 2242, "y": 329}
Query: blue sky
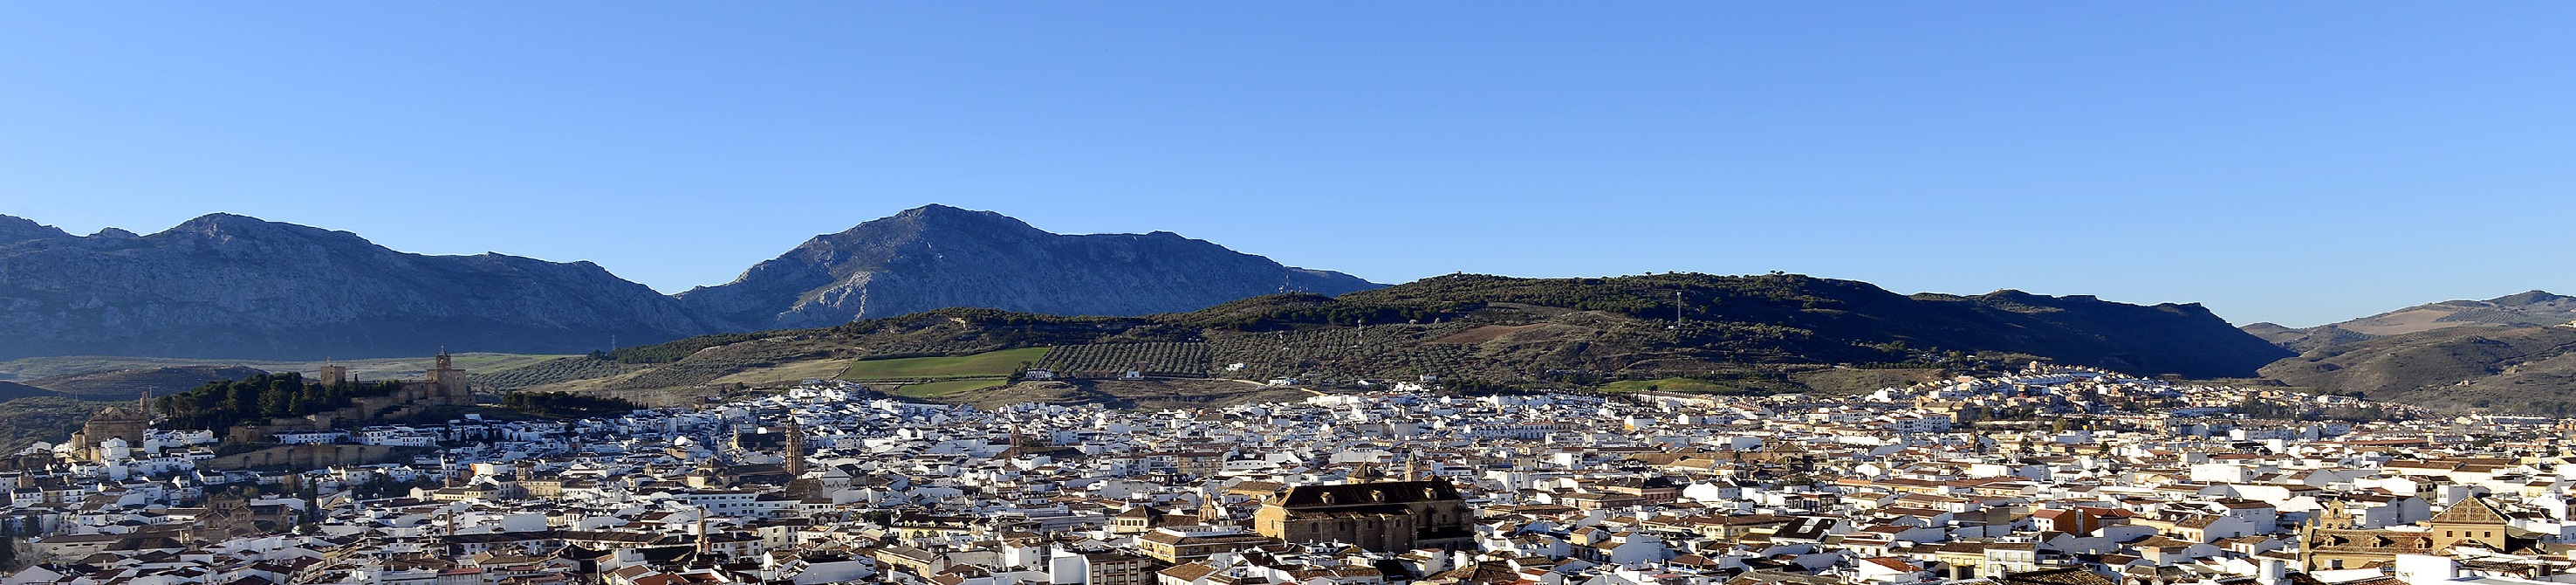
{"x": 2298, "y": 162}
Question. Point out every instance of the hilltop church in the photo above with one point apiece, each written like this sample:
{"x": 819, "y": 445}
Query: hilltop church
{"x": 115, "y": 431}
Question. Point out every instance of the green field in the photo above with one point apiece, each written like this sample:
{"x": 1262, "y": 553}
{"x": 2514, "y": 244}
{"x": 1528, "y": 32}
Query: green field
{"x": 996, "y": 364}
{"x": 946, "y": 387}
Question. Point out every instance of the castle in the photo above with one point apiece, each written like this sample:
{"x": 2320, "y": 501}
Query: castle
{"x": 116, "y": 431}
{"x": 445, "y": 386}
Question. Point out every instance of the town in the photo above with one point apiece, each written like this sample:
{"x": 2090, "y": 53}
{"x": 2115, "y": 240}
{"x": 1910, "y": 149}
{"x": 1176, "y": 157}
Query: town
{"x": 2051, "y": 475}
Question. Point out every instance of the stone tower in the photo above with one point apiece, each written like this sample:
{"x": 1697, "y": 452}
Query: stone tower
{"x": 448, "y": 380}
{"x": 795, "y": 447}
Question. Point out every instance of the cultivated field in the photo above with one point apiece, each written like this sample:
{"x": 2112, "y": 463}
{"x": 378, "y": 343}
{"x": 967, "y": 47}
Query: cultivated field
{"x": 1102, "y": 360}
{"x": 946, "y": 388}
{"x": 993, "y": 364}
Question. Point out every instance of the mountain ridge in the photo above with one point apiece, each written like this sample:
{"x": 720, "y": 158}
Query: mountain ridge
{"x": 902, "y": 264}
{"x": 1778, "y": 333}
{"x": 2524, "y": 309}
{"x": 234, "y": 286}
{"x": 226, "y": 285}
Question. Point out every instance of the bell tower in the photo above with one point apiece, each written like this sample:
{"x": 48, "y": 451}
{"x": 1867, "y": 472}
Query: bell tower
{"x": 449, "y": 380}
{"x": 795, "y": 447}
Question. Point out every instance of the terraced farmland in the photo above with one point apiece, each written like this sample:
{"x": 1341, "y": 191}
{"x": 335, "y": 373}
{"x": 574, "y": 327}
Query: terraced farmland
{"x": 1105, "y": 360}
{"x": 580, "y": 367}
{"x": 1340, "y": 356}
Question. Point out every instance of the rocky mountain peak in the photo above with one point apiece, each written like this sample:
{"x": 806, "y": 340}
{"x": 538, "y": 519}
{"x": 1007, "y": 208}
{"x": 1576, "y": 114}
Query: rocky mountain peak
{"x": 18, "y": 229}
{"x": 938, "y": 256}
{"x": 942, "y": 217}
{"x": 232, "y": 226}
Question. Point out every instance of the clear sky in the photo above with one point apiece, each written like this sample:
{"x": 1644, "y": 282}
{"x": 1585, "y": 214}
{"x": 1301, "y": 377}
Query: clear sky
{"x": 2297, "y": 162}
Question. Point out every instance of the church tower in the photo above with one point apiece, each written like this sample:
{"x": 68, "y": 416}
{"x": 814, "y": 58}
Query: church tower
{"x": 795, "y": 447}
{"x": 445, "y": 377}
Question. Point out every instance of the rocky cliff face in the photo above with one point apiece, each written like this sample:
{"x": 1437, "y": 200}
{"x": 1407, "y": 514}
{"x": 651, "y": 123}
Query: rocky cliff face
{"x": 937, "y": 256}
{"x": 239, "y": 287}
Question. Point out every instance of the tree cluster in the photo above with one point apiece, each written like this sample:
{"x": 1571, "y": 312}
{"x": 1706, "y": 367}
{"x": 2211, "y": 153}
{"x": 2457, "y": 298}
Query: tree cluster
{"x": 566, "y": 405}
{"x": 221, "y": 404}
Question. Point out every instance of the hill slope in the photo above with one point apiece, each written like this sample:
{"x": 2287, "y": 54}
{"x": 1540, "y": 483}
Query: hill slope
{"x": 239, "y": 287}
{"x": 126, "y": 384}
{"x": 13, "y": 391}
{"x": 1767, "y": 333}
{"x": 2526, "y": 309}
{"x": 938, "y": 256}
{"x": 2508, "y": 369}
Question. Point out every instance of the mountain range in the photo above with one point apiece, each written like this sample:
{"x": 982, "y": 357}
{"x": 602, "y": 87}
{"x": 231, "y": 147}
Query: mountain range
{"x": 1761, "y": 333}
{"x": 233, "y": 286}
{"x": 938, "y": 280}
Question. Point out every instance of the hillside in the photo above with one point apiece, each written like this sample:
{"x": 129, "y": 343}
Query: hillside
{"x": 937, "y": 256}
{"x": 2526, "y": 369}
{"x": 238, "y": 287}
{"x": 25, "y": 421}
{"x": 2303, "y": 339}
{"x": 1745, "y": 333}
{"x": 13, "y": 391}
{"x": 126, "y": 384}
{"x": 2526, "y": 309}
